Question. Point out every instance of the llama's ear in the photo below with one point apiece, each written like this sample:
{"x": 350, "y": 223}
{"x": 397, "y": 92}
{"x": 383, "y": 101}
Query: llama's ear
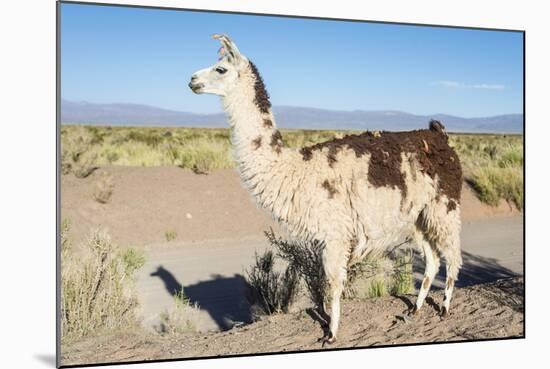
{"x": 230, "y": 50}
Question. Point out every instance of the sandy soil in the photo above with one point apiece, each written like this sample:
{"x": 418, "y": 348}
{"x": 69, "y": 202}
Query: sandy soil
{"x": 149, "y": 201}
{"x": 478, "y": 312}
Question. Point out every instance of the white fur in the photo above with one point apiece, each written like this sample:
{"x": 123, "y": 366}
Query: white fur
{"x": 357, "y": 219}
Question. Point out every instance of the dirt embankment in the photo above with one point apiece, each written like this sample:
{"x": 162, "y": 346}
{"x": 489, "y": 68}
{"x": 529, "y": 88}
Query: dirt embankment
{"x": 478, "y": 312}
{"x": 149, "y": 202}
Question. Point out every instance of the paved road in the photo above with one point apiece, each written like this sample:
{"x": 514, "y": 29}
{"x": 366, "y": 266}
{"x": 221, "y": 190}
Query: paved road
{"x": 212, "y": 271}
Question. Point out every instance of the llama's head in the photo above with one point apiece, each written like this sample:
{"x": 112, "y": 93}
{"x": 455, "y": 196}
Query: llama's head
{"x": 223, "y": 76}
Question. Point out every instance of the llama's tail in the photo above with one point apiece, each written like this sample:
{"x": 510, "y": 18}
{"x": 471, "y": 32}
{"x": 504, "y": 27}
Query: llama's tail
{"x": 438, "y": 127}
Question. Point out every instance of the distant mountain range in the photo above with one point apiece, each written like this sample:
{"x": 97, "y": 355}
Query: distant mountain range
{"x": 286, "y": 116}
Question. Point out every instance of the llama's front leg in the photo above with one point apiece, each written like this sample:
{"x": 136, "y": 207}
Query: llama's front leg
{"x": 335, "y": 261}
{"x": 431, "y": 269}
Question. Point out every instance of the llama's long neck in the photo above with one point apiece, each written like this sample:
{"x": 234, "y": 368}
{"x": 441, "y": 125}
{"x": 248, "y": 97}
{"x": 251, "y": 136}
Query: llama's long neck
{"x": 256, "y": 140}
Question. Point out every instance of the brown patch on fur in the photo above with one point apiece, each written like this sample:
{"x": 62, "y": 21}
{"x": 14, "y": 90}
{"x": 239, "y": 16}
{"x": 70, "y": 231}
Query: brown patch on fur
{"x": 330, "y": 188}
{"x": 426, "y": 283}
{"x": 451, "y": 205}
{"x": 276, "y": 141}
{"x": 268, "y": 123}
{"x": 307, "y": 153}
{"x": 385, "y": 157}
{"x": 257, "y": 142}
{"x": 262, "y": 97}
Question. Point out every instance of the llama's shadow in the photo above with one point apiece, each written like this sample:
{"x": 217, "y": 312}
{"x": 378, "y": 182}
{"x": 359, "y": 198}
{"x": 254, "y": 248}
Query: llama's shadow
{"x": 475, "y": 269}
{"x": 320, "y": 317}
{"x": 222, "y": 297}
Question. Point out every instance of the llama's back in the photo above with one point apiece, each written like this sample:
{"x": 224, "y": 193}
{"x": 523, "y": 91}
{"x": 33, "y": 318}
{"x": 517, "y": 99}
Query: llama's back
{"x": 376, "y": 185}
{"x": 392, "y": 156}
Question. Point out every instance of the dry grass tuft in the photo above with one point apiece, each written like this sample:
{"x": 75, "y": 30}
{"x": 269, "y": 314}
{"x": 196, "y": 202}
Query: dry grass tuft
{"x": 380, "y": 275}
{"x": 97, "y": 288}
{"x": 170, "y": 235}
{"x": 180, "y": 318}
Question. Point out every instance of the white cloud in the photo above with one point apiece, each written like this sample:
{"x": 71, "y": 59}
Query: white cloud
{"x": 482, "y": 86}
{"x": 489, "y": 87}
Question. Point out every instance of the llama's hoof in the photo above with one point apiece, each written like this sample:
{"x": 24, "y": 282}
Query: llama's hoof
{"x": 327, "y": 339}
{"x": 444, "y": 312}
{"x": 413, "y": 311}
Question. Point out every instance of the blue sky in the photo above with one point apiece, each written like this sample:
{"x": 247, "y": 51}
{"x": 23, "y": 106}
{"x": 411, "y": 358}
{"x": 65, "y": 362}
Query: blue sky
{"x": 146, "y": 56}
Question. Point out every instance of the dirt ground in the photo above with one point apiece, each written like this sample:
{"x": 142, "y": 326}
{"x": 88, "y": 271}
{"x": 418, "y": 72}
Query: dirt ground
{"x": 214, "y": 219}
{"x": 481, "y": 311}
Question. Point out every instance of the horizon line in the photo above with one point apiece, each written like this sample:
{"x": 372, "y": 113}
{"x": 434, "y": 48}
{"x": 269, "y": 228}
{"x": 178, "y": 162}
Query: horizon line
{"x": 293, "y": 106}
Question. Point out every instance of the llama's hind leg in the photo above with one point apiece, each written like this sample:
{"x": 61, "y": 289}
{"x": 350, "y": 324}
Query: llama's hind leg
{"x": 430, "y": 271}
{"x": 335, "y": 262}
{"x": 453, "y": 261}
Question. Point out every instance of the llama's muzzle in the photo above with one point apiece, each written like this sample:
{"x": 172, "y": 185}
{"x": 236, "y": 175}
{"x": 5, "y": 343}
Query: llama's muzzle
{"x": 195, "y": 87}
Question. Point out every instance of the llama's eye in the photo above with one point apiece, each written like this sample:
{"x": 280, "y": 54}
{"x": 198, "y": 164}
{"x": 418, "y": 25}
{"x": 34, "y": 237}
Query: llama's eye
{"x": 221, "y": 70}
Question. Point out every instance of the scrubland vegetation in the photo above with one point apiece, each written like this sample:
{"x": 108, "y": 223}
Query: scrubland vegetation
{"x": 280, "y": 274}
{"x": 493, "y": 164}
{"x": 97, "y": 285}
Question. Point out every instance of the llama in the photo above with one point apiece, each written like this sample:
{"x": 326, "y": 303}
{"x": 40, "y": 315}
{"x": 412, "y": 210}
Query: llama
{"x": 358, "y": 194}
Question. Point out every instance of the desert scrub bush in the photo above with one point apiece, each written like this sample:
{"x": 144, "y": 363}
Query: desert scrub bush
{"x": 180, "y": 318}
{"x": 270, "y": 290}
{"x": 170, "y": 235}
{"x": 97, "y": 288}
{"x": 306, "y": 259}
{"x": 103, "y": 188}
{"x": 77, "y": 156}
